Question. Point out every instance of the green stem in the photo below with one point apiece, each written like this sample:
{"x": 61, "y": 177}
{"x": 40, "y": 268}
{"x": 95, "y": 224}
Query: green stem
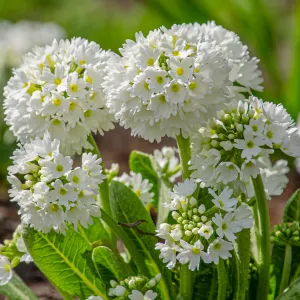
{"x": 186, "y": 282}
{"x": 256, "y": 234}
{"x": 222, "y": 280}
{"x": 264, "y": 236}
{"x": 184, "y": 148}
{"x": 103, "y": 187}
{"x": 186, "y": 275}
{"x": 286, "y": 268}
{"x": 135, "y": 254}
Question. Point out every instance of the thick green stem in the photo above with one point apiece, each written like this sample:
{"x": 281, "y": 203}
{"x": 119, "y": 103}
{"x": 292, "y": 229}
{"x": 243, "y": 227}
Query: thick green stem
{"x": 186, "y": 282}
{"x": 264, "y": 236}
{"x": 186, "y": 275}
{"x": 103, "y": 188}
{"x": 257, "y": 250}
{"x": 184, "y": 148}
{"x": 286, "y": 268}
{"x": 222, "y": 280}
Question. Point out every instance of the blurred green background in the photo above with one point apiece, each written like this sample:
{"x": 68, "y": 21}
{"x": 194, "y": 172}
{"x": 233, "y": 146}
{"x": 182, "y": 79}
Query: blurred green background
{"x": 270, "y": 28}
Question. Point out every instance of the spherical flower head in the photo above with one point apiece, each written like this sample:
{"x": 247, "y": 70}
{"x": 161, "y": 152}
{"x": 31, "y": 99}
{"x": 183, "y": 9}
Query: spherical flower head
{"x": 235, "y": 146}
{"x": 50, "y": 193}
{"x": 191, "y": 237}
{"x": 5, "y": 270}
{"x": 58, "y": 88}
{"x": 171, "y": 80}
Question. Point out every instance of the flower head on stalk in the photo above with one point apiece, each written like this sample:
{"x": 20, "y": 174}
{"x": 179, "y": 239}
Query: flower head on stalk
{"x": 5, "y": 270}
{"x": 58, "y": 88}
{"x": 200, "y": 233}
{"x": 49, "y": 191}
{"x": 235, "y": 146}
{"x": 172, "y": 79}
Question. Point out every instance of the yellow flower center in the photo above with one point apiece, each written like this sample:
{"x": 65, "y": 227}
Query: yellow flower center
{"x": 192, "y": 85}
{"x": 59, "y": 168}
{"x": 179, "y": 71}
{"x": 160, "y": 79}
{"x": 150, "y": 62}
{"x": 7, "y": 268}
{"x": 196, "y": 251}
{"x": 175, "y": 88}
{"x": 54, "y": 207}
{"x": 56, "y": 102}
{"x": 72, "y": 105}
{"x": 75, "y": 179}
{"x": 175, "y": 53}
{"x": 57, "y": 81}
{"x": 88, "y": 113}
{"x": 138, "y": 192}
{"x": 74, "y": 88}
{"x": 89, "y": 79}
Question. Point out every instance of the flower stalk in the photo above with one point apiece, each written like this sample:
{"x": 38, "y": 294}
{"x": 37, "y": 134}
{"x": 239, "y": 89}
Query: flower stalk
{"x": 265, "y": 245}
{"x": 286, "y": 268}
{"x": 186, "y": 275}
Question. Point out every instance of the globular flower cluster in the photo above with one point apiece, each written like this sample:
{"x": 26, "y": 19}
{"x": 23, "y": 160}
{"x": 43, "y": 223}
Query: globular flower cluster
{"x": 19, "y": 38}
{"x": 168, "y": 162}
{"x": 235, "y": 146}
{"x": 286, "y": 233}
{"x": 141, "y": 187}
{"x": 49, "y": 191}
{"x": 172, "y": 79}
{"x": 134, "y": 288}
{"x": 200, "y": 233}
{"x": 58, "y": 88}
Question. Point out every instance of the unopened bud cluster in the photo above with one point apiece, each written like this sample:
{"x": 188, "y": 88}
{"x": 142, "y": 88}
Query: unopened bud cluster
{"x": 134, "y": 285}
{"x": 286, "y": 233}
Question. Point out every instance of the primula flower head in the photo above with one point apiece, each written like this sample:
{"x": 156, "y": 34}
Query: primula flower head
{"x": 173, "y": 79}
{"x": 49, "y": 192}
{"x": 58, "y": 89}
{"x": 235, "y": 146}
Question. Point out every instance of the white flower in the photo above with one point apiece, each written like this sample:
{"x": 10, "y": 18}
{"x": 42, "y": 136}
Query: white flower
{"x": 20, "y": 244}
{"x": 250, "y": 168}
{"x": 65, "y": 193}
{"x": 58, "y": 88}
{"x": 192, "y": 254}
{"x": 94, "y": 298}
{"x": 172, "y": 80}
{"x": 186, "y": 188}
{"x": 224, "y": 200}
{"x": 250, "y": 145}
{"x": 226, "y": 226}
{"x": 243, "y": 216}
{"x": 226, "y": 172}
{"x": 137, "y": 295}
{"x": 78, "y": 178}
{"x": 118, "y": 290}
{"x": 167, "y": 253}
{"x": 219, "y": 248}
{"x": 206, "y": 231}
{"x": 5, "y": 270}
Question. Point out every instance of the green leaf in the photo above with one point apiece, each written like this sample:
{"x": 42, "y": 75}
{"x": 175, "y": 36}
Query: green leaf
{"x": 106, "y": 260}
{"x": 66, "y": 261}
{"x": 163, "y": 198}
{"x": 142, "y": 163}
{"x": 15, "y": 289}
{"x": 292, "y": 292}
{"x": 292, "y": 208}
{"x": 276, "y": 271}
{"x": 95, "y": 232}
{"x": 127, "y": 208}
{"x": 205, "y": 285}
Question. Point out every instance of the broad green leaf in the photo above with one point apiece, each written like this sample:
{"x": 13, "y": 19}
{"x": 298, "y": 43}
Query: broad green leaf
{"x": 95, "y": 232}
{"x": 292, "y": 208}
{"x": 292, "y": 292}
{"x": 276, "y": 271}
{"x": 66, "y": 261}
{"x": 127, "y": 208}
{"x": 142, "y": 163}
{"x": 106, "y": 260}
{"x": 241, "y": 264}
{"x": 15, "y": 289}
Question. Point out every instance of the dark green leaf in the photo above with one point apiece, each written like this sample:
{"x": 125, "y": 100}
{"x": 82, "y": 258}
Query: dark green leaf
{"x": 127, "y": 208}
{"x": 292, "y": 208}
{"x": 66, "y": 261}
{"x": 292, "y": 292}
{"x": 106, "y": 260}
{"x": 15, "y": 289}
{"x": 205, "y": 285}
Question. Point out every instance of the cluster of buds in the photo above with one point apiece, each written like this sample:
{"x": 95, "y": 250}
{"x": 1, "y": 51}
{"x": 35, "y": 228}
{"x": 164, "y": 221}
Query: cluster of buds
{"x": 134, "y": 286}
{"x": 286, "y": 233}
